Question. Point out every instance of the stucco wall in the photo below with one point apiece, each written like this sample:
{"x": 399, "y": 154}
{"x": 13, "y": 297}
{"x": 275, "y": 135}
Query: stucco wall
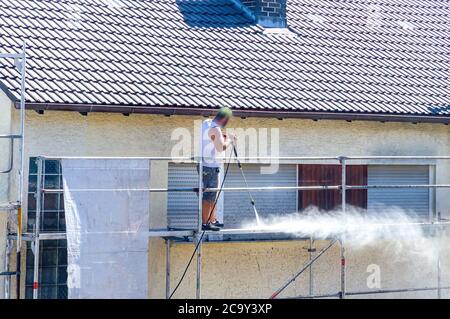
{"x": 248, "y": 269}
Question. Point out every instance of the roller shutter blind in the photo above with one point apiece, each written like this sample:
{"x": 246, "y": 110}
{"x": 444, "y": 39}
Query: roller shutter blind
{"x": 182, "y": 206}
{"x": 237, "y": 206}
{"x": 331, "y": 175}
{"x": 412, "y": 200}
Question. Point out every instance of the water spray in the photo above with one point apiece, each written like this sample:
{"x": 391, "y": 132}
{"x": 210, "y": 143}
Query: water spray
{"x": 252, "y": 200}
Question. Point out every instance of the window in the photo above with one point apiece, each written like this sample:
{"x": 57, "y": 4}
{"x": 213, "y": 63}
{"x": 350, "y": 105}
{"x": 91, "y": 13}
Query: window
{"x": 53, "y": 253}
{"x": 412, "y": 201}
{"x": 331, "y": 175}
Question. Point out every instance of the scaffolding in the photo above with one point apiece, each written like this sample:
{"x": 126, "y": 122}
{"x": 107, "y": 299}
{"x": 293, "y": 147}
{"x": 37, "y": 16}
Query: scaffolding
{"x": 194, "y": 235}
{"x": 20, "y": 60}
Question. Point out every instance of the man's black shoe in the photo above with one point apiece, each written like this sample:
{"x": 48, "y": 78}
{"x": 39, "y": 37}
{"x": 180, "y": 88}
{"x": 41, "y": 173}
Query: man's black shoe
{"x": 210, "y": 227}
{"x": 218, "y": 224}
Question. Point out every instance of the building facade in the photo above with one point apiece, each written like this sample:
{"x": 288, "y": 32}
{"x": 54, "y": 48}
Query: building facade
{"x": 327, "y": 78}
{"x": 246, "y": 268}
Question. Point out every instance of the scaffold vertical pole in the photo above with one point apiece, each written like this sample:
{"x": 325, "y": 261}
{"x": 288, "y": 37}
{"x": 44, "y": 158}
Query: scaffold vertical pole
{"x": 198, "y": 239}
{"x": 439, "y": 266}
{"x": 168, "y": 243}
{"x": 344, "y": 211}
{"x": 311, "y": 272}
{"x": 343, "y": 270}
{"x": 342, "y": 160}
{"x": 439, "y": 285}
{"x": 18, "y": 250}
{"x": 21, "y": 168}
{"x": 37, "y": 225}
{"x": 22, "y": 122}
{"x": 7, "y": 278}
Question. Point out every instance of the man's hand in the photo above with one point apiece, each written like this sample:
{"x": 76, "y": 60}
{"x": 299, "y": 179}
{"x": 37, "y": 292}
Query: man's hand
{"x": 231, "y": 137}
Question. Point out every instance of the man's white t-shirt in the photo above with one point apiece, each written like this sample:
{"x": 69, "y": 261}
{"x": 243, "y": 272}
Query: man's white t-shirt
{"x": 209, "y": 151}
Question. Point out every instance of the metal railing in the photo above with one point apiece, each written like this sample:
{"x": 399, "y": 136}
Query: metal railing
{"x": 194, "y": 233}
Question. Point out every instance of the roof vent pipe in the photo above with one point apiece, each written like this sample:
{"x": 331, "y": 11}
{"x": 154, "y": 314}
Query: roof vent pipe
{"x": 266, "y": 13}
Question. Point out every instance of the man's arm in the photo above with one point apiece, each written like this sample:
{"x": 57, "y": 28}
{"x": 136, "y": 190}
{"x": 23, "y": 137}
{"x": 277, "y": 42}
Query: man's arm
{"x": 221, "y": 143}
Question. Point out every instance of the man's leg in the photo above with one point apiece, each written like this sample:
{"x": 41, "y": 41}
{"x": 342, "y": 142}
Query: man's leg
{"x": 208, "y": 207}
{"x": 206, "y": 210}
{"x": 213, "y": 210}
{"x": 209, "y": 216}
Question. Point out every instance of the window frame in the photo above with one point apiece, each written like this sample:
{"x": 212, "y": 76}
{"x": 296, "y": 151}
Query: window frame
{"x": 57, "y": 288}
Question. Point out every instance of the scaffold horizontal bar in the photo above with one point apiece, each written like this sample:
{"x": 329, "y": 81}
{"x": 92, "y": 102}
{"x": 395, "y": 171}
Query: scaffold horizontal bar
{"x": 151, "y": 158}
{"x": 257, "y": 158}
{"x": 195, "y": 189}
{"x": 241, "y": 189}
{"x": 397, "y": 186}
{"x": 399, "y": 157}
{"x": 42, "y": 236}
{"x": 13, "y": 136}
{"x": 371, "y": 292}
{"x": 165, "y": 233}
{"x": 52, "y": 236}
{"x": 385, "y": 291}
{"x": 11, "y": 55}
{"x": 318, "y": 296}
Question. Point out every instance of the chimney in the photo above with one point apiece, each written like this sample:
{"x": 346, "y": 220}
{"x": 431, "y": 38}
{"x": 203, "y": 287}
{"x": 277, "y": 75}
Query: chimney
{"x": 267, "y": 13}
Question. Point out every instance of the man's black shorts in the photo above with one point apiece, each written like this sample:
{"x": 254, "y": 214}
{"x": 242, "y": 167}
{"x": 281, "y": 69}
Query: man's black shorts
{"x": 210, "y": 180}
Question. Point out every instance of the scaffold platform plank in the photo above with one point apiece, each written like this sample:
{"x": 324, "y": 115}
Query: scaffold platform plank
{"x": 167, "y": 233}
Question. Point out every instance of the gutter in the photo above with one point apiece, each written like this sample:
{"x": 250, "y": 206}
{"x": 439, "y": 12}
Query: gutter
{"x": 179, "y": 110}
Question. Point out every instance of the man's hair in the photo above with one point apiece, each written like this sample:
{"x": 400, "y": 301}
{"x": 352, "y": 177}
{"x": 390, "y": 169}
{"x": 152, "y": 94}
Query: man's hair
{"x": 224, "y": 113}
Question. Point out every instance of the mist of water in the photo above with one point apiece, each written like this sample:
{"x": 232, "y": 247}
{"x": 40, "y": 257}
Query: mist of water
{"x": 402, "y": 232}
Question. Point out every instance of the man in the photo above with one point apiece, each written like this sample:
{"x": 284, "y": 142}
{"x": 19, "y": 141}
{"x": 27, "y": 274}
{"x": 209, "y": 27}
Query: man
{"x": 214, "y": 143}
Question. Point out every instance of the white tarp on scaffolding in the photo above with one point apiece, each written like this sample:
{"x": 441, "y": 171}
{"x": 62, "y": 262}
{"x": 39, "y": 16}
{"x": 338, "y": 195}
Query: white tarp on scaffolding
{"x": 107, "y": 228}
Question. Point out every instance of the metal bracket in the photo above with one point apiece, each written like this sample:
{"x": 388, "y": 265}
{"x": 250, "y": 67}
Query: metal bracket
{"x": 18, "y": 63}
{"x": 9, "y": 206}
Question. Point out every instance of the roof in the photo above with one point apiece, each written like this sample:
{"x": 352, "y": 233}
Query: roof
{"x": 338, "y": 56}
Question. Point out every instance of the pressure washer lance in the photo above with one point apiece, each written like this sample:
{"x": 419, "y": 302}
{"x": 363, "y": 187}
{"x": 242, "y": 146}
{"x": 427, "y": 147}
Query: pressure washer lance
{"x": 252, "y": 200}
